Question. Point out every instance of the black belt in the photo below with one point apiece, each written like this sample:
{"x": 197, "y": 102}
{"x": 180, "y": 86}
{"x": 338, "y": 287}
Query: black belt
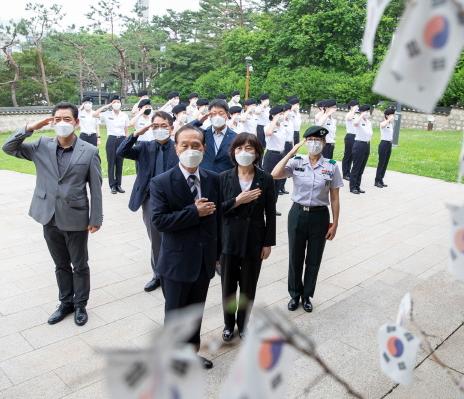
{"x": 310, "y": 208}
{"x": 88, "y": 134}
{"x": 274, "y": 152}
{"x": 363, "y": 141}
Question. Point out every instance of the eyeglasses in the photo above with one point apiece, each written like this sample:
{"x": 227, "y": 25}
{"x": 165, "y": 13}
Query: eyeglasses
{"x": 313, "y": 139}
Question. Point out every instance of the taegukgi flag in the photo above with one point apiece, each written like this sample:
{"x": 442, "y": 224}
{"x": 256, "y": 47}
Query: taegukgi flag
{"x": 456, "y": 260}
{"x": 375, "y": 10}
{"x": 423, "y": 54}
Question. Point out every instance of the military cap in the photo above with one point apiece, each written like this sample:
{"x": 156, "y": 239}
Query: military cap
{"x": 364, "y": 108}
{"x": 144, "y": 102}
{"x": 179, "y": 108}
{"x": 352, "y": 103}
{"x": 321, "y": 103}
{"x": 263, "y": 97}
{"x": 221, "y": 96}
{"x": 235, "y": 93}
{"x": 250, "y": 101}
{"x": 87, "y": 100}
{"x": 115, "y": 97}
{"x": 316, "y": 131}
{"x": 330, "y": 103}
{"x": 287, "y": 106}
{"x": 277, "y": 109}
{"x": 193, "y": 95}
{"x": 293, "y": 100}
{"x": 173, "y": 94}
{"x": 202, "y": 101}
{"x": 389, "y": 111}
{"x": 235, "y": 109}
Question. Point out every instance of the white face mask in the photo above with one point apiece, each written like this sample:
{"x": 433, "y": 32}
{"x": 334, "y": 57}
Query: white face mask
{"x": 116, "y": 106}
{"x": 218, "y": 121}
{"x": 174, "y": 101}
{"x": 87, "y": 106}
{"x": 236, "y": 99}
{"x": 191, "y": 158}
{"x": 265, "y": 103}
{"x": 314, "y": 147}
{"x": 244, "y": 158}
{"x": 63, "y": 129}
{"x": 161, "y": 134}
{"x": 182, "y": 118}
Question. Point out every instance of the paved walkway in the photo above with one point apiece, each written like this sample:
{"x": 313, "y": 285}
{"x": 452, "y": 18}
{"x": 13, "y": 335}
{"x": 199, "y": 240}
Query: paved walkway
{"x": 390, "y": 241}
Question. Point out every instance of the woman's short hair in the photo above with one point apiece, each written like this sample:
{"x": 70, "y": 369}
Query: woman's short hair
{"x": 243, "y": 139}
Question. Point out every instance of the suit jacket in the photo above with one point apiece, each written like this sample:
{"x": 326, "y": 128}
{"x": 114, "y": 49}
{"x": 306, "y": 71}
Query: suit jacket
{"x": 188, "y": 241}
{"x": 221, "y": 161}
{"x": 65, "y": 196}
{"x": 249, "y": 227}
{"x": 144, "y": 153}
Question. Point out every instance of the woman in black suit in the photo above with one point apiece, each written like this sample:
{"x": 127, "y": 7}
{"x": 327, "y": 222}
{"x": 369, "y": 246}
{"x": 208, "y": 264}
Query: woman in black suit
{"x": 249, "y": 230}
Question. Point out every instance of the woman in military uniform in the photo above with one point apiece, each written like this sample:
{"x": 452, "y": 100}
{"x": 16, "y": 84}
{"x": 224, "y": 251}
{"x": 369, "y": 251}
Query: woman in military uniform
{"x": 316, "y": 184}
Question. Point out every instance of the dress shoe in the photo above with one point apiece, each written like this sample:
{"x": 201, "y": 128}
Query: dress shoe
{"x": 379, "y": 185}
{"x": 278, "y": 214}
{"x": 293, "y": 304}
{"x": 218, "y": 269}
{"x": 362, "y": 191}
{"x": 80, "y": 316}
{"x": 205, "y": 363}
{"x": 241, "y": 335}
{"x": 152, "y": 285}
{"x": 307, "y": 305}
{"x": 383, "y": 184}
{"x": 284, "y": 191}
{"x": 120, "y": 190}
{"x": 346, "y": 178}
{"x": 113, "y": 190}
{"x": 227, "y": 335}
{"x": 60, "y": 313}
{"x": 355, "y": 191}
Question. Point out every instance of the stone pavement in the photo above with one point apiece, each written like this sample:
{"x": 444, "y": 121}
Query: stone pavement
{"x": 390, "y": 241}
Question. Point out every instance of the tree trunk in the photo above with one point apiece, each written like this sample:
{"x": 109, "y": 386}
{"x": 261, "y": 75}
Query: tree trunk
{"x": 13, "y": 64}
{"x": 42, "y": 74}
{"x": 81, "y": 77}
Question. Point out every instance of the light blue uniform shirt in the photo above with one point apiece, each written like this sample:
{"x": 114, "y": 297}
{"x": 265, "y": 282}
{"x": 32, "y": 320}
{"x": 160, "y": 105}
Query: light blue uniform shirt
{"x": 311, "y": 186}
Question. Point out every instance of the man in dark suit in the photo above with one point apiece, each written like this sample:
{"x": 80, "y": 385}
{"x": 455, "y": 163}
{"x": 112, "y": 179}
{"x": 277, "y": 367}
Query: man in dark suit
{"x": 218, "y": 138}
{"x": 65, "y": 166}
{"x": 152, "y": 159}
{"x": 187, "y": 210}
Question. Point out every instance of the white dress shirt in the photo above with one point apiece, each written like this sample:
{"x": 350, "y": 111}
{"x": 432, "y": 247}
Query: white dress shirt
{"x": 276, "y": 142}
{"x": 87, "y": 122}
{"x": 364, "y": 130}
{"x": 140, "y": 123}
{"x": 186, "y": 174}
{"x": 218, "y": 137}
{"x": 115, "y": 123}
{"x": 386, "y": 133}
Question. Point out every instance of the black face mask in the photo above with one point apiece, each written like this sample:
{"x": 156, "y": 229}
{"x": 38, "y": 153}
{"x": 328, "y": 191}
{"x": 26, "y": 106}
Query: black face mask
{"x": 147, "y": 112}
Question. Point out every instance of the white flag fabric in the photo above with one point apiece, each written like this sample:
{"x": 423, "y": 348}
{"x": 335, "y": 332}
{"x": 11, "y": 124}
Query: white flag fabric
{"x": 422, "y": 55}
{"x": 461, "y": 164}
{"x": 404, "y": 310}
{"x": 261, "y": 367}
{"x": 456, "y": 261}
{"x": 375, "y": 10}
{"x": 398, "y": 352}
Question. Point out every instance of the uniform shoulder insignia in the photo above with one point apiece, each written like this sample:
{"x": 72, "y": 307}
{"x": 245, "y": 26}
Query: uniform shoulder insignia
{"x": 332, "y": 161}
{"x": 297, "y": 157}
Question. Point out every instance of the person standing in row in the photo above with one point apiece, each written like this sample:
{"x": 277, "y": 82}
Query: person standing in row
{"x": 173, "y": 100}
{"x": 275, "y": 142}
{"x": 330, "y": 123}
{"x": 385, "y": 146}
{"x": 289, "y": 137}
{"x": 152, "y": 159}
{"x": 186, "y": 204}
{"x": 249, "y": 121}
{"x": 88, "y": 123}
{"x": 234, "y": 122}
{"x": 235, "y": 99}
{"x": 117, "y": 123}
{"x": 294, "y": 101}
{"x": 248, "y": 232}
{"x": 65, "y": 166}
{"x": 143, "y": 95}
{"x": 361, "y": 148}
{"x": 262, "y": 112}
{"x": 347, "y": 161}
{"x": 179, "y": 113}
{"x": 316, "y": 185}
{"x": 142, "y": 119}
{"x": 192, "y": 108}
{"x": 203, "y": 105}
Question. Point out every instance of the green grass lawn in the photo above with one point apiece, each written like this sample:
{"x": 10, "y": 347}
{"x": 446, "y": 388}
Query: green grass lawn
{"x": 432, "y": 154}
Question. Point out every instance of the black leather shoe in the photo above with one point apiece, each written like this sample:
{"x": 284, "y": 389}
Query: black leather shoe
{"x": 346, "y": 178}
{"x": 120, "y": 190}
{"x": 383, "y": 184}
{"x": 60, "y": 313}
{"x": 355, "y": 191}
{"x": 307, "y": 305}
{"x": 152, "y": 285}
{"x": 113, "y": 190}
{"x": 227, "y": 335}
{"x": 218, "y": 269}
{"x": 278, "y": 214}
{"x": 362, "y": 191}
{"x": 293, "y": 304}
{"x": 379, "y": 185}
{"x": 80, "y": 316}
{"x": 205, "y": 363}
{"x": 241, "y": 335}
{"x": 284, "y": 192}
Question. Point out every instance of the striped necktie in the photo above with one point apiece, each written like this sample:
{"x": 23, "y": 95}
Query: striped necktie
{"x": 191, "y": 183}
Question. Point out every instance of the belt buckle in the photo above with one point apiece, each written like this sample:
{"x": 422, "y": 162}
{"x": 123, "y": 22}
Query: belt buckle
{"x": 306, "y": 208}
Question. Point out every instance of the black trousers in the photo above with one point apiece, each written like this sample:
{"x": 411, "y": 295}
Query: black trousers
{"x": 69, "y": 248}
{"x": 260, "y": 135}
{"x": 361, "y": 151}
{"x": 328, "y": 151}
{"x": 114, "y": 162}
{"x": 385, "y": 150}
{"x": 90, "y": 138}
{"x": 296, "y": 137}
{"x": 348, "y": 154}
{"x": 306, "y": 242}
{"x": 288, "y": 147}
{"x": 271, "y": 159}
{"x": 242, "y": 272}
{"x": 179, "y": 295}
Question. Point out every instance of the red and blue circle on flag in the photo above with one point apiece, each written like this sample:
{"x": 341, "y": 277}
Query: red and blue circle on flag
{"x": 436, "y": 32}
{"x": 395, "y": 347}
{"x": 270, "y": 353}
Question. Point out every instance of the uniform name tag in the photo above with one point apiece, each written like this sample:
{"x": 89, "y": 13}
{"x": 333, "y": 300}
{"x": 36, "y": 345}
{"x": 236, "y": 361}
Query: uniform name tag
{"x": 300, "y": 169}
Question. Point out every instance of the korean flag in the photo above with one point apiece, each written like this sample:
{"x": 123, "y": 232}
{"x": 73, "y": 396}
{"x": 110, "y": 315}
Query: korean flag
{"x": 461, "y": 164}
{"x": 423, "y": 54}
{"x": 398, "y": 351}
{"x": 375, "y": 10}
{"x": 456, "y": 261}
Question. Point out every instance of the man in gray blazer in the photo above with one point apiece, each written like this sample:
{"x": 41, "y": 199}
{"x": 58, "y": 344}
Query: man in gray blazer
{"x": 65, "y": 165}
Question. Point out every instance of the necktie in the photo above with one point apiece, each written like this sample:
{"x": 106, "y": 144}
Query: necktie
{"x": 191, "y": 183}
{"x": 159, "y": 166}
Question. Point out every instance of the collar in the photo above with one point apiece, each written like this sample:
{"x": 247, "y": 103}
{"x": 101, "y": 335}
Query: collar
{"x": 320, "y": 162}
{"x": 71, "y": 147}
{"x": 186, "y": 173}
{"x": 223, "y": 131}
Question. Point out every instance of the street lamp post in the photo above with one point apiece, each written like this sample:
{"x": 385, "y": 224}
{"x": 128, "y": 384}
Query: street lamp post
{"x": 249, "y": 67}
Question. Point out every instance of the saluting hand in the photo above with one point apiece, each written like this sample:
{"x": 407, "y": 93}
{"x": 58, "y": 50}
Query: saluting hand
{"x": 40, "y": 124}
{"x": 296, "y": 147}
{"x": 204, "y": 207}
{"x": 331, "y": 232}
{"x": 246, "y": 197}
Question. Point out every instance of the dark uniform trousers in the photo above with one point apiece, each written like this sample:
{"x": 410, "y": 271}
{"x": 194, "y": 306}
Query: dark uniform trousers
{"x": 348, "y": 154}
{"x": 361, "y": 151}
{"x": 179, "y": 295}
{"x": 260, "y": 135}
{"x": 271, "y": 159}
{"x": 296, "y": 137}
{"x": 385, "y": 149}
{"x": 245, "y": 272}
{"x": 89, "y": 138}
{"x": 288, "y": 147}
{"x": 328, "y": 151}
{"x": 306, "y": 236}
{"x": 114, "y": 162}
{"x": 66, "y": 248}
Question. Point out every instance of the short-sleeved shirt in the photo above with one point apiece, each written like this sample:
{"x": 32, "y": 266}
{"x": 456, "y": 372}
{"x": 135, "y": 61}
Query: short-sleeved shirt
{"x": 140, "y": 123}
{"x": 276, "y": 142}
{"x": 331, "y": 125}
{"x": 296, "y": 117}
{"x": 248, "y": 125}
{"x": 87, "y": 122}
{"x": 311, "y": 186}
{"x": 115, "y": 123}
{"x": 288, "y": 125}
{"x": 386, "y": 133}
{"x": 364, "y": 130}
{"x": 349, "y": 125}
{"x": 263, "y": 115}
